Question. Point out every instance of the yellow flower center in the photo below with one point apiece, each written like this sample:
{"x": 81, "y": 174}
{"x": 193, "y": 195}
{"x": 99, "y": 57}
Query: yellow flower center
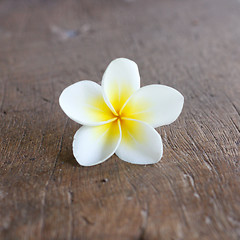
{"x": 119, "y": 115}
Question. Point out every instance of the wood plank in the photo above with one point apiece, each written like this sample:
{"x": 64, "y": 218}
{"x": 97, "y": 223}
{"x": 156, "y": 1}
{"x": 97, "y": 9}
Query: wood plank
{"x": 192, "y": 193}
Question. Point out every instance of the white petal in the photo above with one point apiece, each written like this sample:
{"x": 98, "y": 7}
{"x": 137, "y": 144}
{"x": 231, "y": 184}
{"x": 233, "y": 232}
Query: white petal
{"x": 93, "y": 145}
{"x": 156, "y": 105}
{"x": 140, "y": 144}
{"x": 83, "y": 102}
{"x": 120, "y": 80}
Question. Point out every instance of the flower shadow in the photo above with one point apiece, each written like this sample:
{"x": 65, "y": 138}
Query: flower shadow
{"x": 66, "y": 157}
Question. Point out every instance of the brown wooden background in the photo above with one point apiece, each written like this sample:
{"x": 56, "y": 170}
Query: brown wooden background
{"x": 193, "y": 193}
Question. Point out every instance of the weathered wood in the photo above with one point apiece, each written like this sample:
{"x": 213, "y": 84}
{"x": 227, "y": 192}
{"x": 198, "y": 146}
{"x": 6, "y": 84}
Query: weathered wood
{"x": 193, "y": 193}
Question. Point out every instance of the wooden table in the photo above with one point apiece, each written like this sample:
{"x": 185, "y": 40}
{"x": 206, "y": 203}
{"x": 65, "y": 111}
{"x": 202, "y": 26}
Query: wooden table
{"x": 192, "y": 193}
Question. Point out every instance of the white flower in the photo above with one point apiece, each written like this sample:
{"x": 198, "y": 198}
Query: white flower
{"x": 119, "y": 116}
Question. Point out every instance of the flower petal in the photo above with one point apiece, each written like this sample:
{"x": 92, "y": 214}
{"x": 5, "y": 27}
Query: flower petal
{"x": 120, "y": 80}
{"x": 140, "y": 144}
{"x": 83, "y": 102}
{"x": 93, "y": 145}
{"x": 156, "y": 105}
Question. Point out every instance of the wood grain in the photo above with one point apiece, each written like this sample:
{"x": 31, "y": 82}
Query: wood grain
{"x": 192, "y": 193}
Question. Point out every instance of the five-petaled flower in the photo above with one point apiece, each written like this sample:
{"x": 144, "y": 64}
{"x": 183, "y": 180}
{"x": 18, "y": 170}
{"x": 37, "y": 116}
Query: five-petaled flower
{"x": 119, "y": 116}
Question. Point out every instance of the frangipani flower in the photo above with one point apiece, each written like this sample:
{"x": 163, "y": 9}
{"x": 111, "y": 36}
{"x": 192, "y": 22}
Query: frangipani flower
{"x": 119, "y": 116}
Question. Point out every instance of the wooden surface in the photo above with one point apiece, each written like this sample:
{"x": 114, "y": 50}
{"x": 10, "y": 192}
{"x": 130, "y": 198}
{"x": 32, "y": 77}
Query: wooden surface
{"x": 193, "y": 193}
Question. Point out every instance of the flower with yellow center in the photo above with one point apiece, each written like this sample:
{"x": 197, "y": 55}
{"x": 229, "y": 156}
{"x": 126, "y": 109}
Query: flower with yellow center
{"x": 119, "y": 116}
